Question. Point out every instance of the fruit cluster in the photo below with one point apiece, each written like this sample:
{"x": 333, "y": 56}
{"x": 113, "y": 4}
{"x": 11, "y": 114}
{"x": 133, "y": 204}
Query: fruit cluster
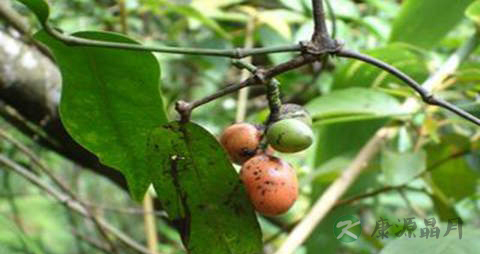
{"x": 270, "y": 182}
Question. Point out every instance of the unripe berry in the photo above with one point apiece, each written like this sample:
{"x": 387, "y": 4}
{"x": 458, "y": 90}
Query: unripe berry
{"x": 241, "y": 141}
{"x": 289, "y": 136}
{"x": 271, "y": 184}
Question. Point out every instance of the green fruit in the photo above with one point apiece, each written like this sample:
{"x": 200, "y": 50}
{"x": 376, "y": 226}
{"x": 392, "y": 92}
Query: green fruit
{"x": 289, "y": 136}
{"x": 295, "y": 111}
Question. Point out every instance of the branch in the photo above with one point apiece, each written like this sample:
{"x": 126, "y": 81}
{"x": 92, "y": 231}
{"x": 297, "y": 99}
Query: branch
{"x": 426, "y": 96}
{"x": 327, "y": 201}
{"x": 375, "y": 193}
{"x": 320, "y": 28}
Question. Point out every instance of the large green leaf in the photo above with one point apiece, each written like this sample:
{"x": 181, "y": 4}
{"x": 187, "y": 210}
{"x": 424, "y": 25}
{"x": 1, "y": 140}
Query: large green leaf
{"x": 110, "y": 102}
{"x": 353, "y": 104}
{"x": 400, "y": 168}
{"x": 424, "y": 23}
{"x": 469, "y": 244}
{"x": 451, "y": 173}
{"x": 402, "y": 56}
{"x": 455, "y": 178}
{"x": 201, "y": 192}
{"x": 343, "y": 139}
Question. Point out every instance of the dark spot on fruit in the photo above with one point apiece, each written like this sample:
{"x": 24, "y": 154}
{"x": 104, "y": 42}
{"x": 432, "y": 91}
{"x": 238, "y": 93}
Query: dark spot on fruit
{"x": 257, "y": 178}
{"x": 263, "y": 192}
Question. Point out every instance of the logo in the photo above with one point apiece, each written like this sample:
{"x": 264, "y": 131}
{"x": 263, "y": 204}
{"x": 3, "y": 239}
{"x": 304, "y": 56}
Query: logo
{"x": 347, "y": 229}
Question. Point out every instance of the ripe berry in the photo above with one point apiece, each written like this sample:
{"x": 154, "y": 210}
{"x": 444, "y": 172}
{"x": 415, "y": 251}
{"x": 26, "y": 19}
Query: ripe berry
{"x": 241, "y": 141}
{"x": 290, "y": 136}
{"x": 271, "y": 184}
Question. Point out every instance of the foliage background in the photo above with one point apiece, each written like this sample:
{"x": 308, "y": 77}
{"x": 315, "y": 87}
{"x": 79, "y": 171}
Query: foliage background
{"x": 348, "y": 100}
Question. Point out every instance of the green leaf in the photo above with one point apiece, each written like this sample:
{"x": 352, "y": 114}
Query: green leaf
{"x": 455, "y": 178}
{"x": 450, "y": 170}
{"x": 201, "y": 192}
{"x": 473, "y": 12}
{"x": 418, "y": 21}
{"x": 469, "y": 243}
{"x": 190, "y": 12}
{"x": 353, "y": 104}
{"x": 39, "y": 7}
{"x": 402, "y": 56}
{"x": 336, "y": 139}
{"x": 110, "y": 102}
{"x": 400, "y": 168}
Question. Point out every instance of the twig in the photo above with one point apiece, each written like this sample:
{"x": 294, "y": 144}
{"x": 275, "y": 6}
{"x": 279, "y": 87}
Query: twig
{"x": 72, "y": 204}
{"x": 132, "y": 210}
{"x": 404, "y": 186}
{"x": 375, "y": 193}
{"x": 232, "y": 53}
{"x": 73, "y": 225}
{"x": 24, "y": 126}
{"x": 11, "y": 201}
{"x": 272, "y": 88}
{"x": 327, "y": 201}
{"x": 424, "y": 93}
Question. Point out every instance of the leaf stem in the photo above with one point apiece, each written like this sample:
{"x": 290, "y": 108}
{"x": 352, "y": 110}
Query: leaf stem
{"x": 232, "y": 53}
